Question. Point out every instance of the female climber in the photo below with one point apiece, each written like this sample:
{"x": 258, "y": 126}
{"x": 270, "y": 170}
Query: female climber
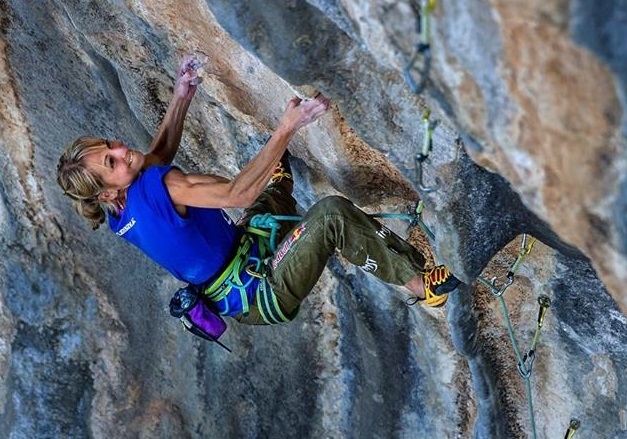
{"x": 177, "y": 218}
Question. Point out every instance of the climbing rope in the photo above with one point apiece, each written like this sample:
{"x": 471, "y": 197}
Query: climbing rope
{"x": 422, "y": 49}
{"x": 524, "y": 368}
{"x": 269, "y": 222}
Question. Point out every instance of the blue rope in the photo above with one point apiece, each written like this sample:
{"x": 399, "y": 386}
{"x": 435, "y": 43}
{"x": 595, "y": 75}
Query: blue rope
{"x": 271, "y": 222}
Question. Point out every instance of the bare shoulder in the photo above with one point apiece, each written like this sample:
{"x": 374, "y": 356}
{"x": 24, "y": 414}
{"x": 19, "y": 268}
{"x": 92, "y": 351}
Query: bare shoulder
{"x": 177, "y": 177}
{"x": 199, "y": 190}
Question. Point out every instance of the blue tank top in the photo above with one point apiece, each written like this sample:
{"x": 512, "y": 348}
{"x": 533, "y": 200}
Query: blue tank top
{"x": 194, "y": 248}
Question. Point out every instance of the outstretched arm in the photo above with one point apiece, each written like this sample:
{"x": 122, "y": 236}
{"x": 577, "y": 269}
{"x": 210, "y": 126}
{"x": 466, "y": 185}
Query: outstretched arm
{"x": 211, "y": 191}
{"x": 166, "y": 142}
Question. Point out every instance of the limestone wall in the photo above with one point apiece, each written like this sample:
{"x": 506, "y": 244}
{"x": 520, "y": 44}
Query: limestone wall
{"x": 530, "y": 105}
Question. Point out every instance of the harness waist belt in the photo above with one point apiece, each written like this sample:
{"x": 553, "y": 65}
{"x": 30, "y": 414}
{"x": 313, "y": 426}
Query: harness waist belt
{"x": 229, "y": 279}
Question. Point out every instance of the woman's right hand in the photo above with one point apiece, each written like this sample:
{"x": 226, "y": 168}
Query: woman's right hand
{"x": 300, "y": 113}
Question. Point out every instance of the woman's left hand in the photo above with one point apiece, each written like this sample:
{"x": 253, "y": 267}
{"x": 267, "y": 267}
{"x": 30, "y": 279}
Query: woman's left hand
{"x": 186, "y": 79}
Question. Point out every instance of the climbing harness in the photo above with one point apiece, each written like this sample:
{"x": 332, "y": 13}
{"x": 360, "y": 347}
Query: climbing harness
{"x": 230, "y": 278}
{"x": 427, "y": 146}
{"x": 422, "y": 49}
{"x": 572, "y": 428}
{"x": 262, "y": 229}
{"x": 268, "y": 305}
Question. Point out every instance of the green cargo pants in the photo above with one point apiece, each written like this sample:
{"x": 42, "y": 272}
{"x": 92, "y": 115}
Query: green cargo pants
{"x": 333, "y": 223}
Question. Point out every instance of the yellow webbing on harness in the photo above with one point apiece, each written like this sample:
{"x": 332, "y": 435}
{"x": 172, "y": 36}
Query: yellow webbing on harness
{"x": 229, "y": 279}
{"x": 269, "y": 307}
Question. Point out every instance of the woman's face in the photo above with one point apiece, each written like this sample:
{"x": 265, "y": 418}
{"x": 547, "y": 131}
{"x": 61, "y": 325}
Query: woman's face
{"x": 115, "y": 164}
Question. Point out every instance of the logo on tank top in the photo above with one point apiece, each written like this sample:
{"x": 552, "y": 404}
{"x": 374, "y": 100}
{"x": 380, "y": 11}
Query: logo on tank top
{"x": 226, "y": 217}
{"x": 127, "y": 227}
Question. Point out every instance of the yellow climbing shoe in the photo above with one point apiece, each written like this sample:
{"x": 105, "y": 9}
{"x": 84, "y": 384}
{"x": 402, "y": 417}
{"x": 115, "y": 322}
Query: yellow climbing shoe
{"x": 438, "y": 282}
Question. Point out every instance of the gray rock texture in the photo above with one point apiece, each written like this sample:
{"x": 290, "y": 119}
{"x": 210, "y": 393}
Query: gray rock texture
{"x": 529, "y": 101}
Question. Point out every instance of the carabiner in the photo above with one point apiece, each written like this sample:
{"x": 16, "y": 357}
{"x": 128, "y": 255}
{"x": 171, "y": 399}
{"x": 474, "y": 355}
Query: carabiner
{"x": 498, "y": 292}
{"x": 572, "y": 428}
{"x": 544, "y": 303}
{"x": 427, "y": 146}
{"x": 531, "y": 356}
{"x": 423, "y": 48}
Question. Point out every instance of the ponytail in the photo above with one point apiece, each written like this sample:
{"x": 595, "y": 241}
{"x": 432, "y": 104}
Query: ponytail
{"x": 82, "y": 185}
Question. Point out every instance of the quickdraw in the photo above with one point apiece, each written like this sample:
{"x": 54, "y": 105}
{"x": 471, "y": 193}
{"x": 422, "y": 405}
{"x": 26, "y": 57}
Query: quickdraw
{"x": 545, "y": 303}
{"x": 422, "y": 50}
{"x": 524, "y": 251}
{"x": 427, "y": 146}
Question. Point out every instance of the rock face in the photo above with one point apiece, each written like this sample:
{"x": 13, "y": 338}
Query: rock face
{"x": 529, "y": 101}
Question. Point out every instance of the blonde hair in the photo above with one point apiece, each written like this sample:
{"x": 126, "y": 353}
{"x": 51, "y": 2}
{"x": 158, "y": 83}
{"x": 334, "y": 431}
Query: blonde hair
{"x": 82, "y": 185}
